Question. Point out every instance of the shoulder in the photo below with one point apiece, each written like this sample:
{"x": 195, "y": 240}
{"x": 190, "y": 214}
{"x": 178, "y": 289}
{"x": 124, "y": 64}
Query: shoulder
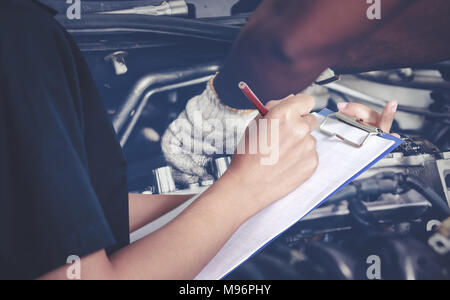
{"x": 30, "y": 35}
{"x": 35, "y": 51}
{"x": 25, "y": 18}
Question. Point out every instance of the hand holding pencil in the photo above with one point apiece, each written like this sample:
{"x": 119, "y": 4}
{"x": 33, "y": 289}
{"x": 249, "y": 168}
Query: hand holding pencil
{"x": 291, "y": 123}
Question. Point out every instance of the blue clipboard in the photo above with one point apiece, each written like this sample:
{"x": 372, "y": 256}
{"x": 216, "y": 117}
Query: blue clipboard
{"x": 327, "y": 113}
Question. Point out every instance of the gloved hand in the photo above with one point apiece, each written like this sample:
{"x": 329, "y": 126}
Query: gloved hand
{"x": 207, "y": 128}
{"x": 204, "y": 129}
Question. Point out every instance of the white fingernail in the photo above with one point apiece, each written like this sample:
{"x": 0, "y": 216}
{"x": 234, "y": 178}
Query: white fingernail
{"x": 342, "y": 106}
{"x": 394, "y": 106}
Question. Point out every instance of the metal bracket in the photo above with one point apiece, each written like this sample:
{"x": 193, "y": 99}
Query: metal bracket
{"x": 371, "y": 130}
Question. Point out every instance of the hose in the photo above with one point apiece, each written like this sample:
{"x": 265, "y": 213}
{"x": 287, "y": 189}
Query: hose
{"x": 428, "y": 193}
{"x": 104, "y": 24}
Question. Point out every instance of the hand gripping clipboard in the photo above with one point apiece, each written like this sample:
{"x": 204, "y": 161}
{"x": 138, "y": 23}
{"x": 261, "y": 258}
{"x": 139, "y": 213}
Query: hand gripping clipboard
{"x": 341, "y": 162}
{"x": 371, "y": 130}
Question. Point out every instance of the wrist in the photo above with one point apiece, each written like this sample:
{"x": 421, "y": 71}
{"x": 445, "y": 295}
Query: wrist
{"x": 212, "y": 90}
{"x": 243, "y": 198}
{"x": 221, "y": 203}
{"x": 227, "y": 90}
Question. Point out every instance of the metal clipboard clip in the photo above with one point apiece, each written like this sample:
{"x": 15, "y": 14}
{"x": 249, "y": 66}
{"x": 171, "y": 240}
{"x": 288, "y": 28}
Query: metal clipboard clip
{"x": 371, "y": 130}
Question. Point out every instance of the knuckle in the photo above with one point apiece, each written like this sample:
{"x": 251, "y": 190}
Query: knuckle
{"x": 278, "y": 112}
{"x": 309, "y": 100}
{"x": 271, "y": 104}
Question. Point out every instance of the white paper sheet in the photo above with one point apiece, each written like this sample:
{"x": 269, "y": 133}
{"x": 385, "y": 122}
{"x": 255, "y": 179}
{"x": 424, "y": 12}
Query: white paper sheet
{"x": 339, "y": 163}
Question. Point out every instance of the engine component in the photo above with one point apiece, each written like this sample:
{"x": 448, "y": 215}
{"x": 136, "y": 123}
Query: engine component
{"x": 167, "y": 8}
{"x": 136, "y": 114}
{"x": 220, "y": 165}
{"x": 328, "y": 261}
{"x": 444, "y": 172}
{"x": 440, "y": 244}
{"x": 440, "y": 241}
{"x": 118, "y": 61}
{"x": 424, "y": 80}
{"x": 131, "y": 104}
{"x": 403, "y": 257}
{"x": 96, "y": 26}
{"x": 88, "y": 7}
{"x": 163, "y": 179}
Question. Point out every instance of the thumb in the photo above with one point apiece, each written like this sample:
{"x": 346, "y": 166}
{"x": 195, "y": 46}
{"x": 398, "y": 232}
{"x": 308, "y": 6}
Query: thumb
{"x": 388, "y": 116}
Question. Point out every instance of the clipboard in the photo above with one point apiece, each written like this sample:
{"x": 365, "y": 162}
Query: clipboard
{"x": 340, "y": 164}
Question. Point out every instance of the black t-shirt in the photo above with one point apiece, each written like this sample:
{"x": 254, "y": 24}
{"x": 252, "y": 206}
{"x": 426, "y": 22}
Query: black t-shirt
{"x": 63, "y": 187}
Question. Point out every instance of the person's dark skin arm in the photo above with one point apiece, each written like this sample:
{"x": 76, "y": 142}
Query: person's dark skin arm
{"x": 287, "y": 44}
{"x": 418, "y": 36}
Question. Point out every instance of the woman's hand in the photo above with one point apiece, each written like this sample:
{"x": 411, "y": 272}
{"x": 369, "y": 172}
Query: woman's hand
{"x": 367, "y": 115}
{"x": 293, "y": 154}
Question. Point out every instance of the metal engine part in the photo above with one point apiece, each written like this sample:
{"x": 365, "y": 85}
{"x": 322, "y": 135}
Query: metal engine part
{"x": 166, "y": 8}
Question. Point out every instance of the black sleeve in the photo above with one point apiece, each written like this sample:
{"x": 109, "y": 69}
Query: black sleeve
{"x": 48, "y": 207}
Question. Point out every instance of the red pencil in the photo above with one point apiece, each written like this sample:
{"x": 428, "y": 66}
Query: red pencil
{"x": 253, "y": 98}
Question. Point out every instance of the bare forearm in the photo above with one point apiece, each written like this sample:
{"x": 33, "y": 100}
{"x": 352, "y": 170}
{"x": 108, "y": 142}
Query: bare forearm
{"x": 414, "y": 38}
{"x": 147, "y": 208}
{"x": 181, "y": 249}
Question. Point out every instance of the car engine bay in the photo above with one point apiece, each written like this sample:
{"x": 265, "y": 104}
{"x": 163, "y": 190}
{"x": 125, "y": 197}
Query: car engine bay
{"x": 147, "y": 66}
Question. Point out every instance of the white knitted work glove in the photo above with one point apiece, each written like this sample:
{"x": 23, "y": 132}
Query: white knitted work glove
{"x": 210, "y": 128}
{"x": 204, "y": 129}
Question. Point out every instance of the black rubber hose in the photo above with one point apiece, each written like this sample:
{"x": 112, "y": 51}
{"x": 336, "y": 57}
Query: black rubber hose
{"x": 428, "y": 193}
{"x": 369, "y": 187}
{"x": 104, "y": 24}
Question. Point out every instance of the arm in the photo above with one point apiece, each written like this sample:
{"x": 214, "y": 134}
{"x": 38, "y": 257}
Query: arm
{"x": 287, "y": 44}
{"x": 182, "y": 248}
{"x": 196, "y": 234}
{"x": 147, "y": 208}
{"x": 416, "y": 37}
